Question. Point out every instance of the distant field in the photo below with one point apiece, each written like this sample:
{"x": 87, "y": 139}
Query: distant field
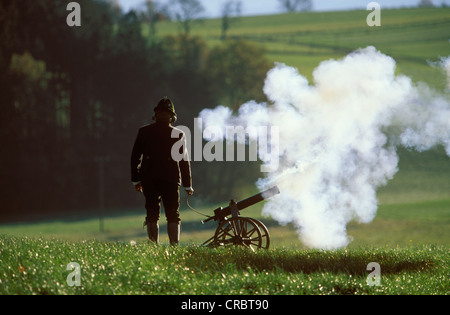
{"x": 411, "y": 36}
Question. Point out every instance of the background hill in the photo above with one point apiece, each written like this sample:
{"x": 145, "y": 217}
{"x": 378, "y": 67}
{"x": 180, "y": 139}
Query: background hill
{"x": 413, "y": 37}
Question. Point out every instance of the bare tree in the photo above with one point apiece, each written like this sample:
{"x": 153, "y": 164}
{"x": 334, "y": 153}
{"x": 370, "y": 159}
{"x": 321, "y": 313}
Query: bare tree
{"x": 230, "y": 12}
{"x": 296, "y": 5}
{"x": 153, "y": 13}
{"x": 186, "y": 12}
{"x": 425, "y": 4}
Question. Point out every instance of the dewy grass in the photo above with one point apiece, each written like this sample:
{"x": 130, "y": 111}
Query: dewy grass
{"x": 39, "y": 266}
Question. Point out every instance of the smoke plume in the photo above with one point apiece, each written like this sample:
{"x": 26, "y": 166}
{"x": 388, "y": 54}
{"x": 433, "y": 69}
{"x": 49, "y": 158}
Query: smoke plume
{"x": 337, "y": 139}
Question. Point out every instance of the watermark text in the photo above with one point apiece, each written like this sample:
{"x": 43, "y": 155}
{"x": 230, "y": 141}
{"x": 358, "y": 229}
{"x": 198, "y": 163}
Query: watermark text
{"x": 228, "y": 143}
{"x": 374, "y": 17}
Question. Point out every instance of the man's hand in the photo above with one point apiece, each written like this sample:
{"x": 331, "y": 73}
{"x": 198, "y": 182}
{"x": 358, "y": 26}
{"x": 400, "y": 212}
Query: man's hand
{"x": 138, "y": 186}
{"x": 189, "y": 190}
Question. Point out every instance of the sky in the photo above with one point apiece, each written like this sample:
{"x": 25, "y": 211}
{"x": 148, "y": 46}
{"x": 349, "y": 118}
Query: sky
{"x": 262, "y": 7}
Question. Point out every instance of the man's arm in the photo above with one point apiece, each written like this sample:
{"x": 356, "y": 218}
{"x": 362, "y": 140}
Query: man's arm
{"x": 135, "y": 160}
{"x": 185, "y": 169}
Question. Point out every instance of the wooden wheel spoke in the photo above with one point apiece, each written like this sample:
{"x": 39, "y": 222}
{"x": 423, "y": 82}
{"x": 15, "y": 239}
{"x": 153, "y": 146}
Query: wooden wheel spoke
{"x": 264, "y": 233}
{"x": 239, "y": 231}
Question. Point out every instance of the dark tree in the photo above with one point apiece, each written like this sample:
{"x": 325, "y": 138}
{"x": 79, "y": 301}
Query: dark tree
{"x": 237, "y": 70}
{"x": 425, "y": 4}
{"x": 153, "y": 13}
{"x": 296, "y": 5}
{"x": 187, "y": 12}
{"x": 230, "y": 12}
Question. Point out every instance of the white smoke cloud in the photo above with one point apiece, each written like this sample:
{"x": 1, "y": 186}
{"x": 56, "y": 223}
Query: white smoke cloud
{"x": 445, "y": 64}
{"x": 337, "y": 139}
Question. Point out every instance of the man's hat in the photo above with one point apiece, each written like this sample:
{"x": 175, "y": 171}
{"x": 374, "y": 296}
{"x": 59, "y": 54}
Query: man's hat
{"x": 165, "y": 104}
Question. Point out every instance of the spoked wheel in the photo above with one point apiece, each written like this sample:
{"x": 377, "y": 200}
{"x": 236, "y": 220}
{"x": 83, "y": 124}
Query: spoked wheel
{"x": 265, "y": 236}
{"x": 239, "y": 231}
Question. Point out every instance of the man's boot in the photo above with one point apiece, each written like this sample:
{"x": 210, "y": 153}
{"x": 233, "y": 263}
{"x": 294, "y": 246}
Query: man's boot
{"x": 173, "y": 230}
{"x": 153, "y": 232}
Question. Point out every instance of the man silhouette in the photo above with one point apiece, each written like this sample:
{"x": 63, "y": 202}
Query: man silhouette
{"x": 155, "y": 172}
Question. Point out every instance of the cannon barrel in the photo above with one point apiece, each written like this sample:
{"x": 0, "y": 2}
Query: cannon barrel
{"x": 250, "y": 201}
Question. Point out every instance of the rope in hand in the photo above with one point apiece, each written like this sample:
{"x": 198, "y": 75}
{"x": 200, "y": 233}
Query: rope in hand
{"x": 196, "y": 211}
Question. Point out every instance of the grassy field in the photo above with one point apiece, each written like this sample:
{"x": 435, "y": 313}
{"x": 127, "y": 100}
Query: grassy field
{"x": 409, "y": 238}
{"x": 411, "y": 36}
{"x": 39, "y": 266}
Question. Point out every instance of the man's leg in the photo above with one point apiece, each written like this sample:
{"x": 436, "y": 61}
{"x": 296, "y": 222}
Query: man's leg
{"x": 173, "y": 230}
{"x": 153, "y": 231}
{"x": 152, "y": 205}
{"x": 171, "y": 199}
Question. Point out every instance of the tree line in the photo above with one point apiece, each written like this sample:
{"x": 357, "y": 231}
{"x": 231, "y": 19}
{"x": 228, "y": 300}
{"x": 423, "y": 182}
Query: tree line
{"x": 73, "y": 98}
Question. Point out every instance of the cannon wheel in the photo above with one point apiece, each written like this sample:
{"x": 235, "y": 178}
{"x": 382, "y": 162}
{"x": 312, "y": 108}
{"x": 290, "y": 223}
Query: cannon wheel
{"x": 239, "y": 231}
{"x": 264, "y": 234}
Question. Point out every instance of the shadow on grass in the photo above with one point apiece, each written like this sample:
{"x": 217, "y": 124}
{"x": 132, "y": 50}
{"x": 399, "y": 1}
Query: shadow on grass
{"x": 312, "y": 261}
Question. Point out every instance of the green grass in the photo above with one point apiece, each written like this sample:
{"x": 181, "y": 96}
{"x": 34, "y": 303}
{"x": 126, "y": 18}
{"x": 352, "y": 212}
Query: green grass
{"x": 38, "y": 266}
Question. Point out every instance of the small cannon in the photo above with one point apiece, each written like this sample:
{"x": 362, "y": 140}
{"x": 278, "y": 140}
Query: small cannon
{"x": 237, "y": 230}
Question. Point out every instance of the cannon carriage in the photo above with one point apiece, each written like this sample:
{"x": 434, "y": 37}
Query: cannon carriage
{"x": 234, "y": 230}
